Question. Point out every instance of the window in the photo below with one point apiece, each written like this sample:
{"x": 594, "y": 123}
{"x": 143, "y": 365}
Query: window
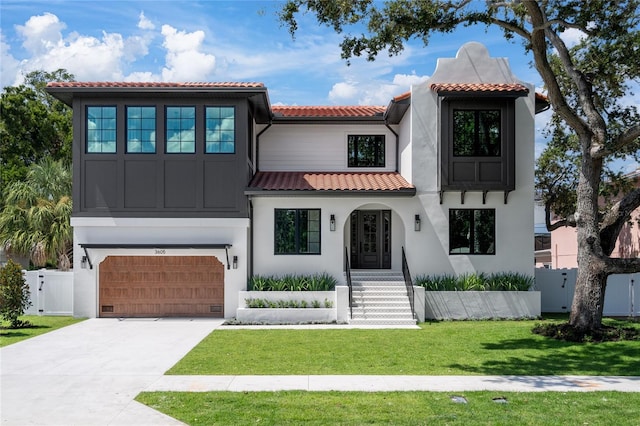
{"x": 472, "y": 231}
{"x": 220, "y": 130}
{"x": 297, "y": 231}
{"x": 476, "y": 133}
{"x": 366, "y": 150}
{"x": 141, "y": 129}
{"x": 181, "y": 130}
{"x": 101, "y": 129}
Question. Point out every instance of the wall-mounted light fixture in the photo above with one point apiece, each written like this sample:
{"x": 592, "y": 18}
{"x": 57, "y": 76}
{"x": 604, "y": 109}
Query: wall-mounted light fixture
{"x": 83, "y": 262}
{"x": 332, "y": 222}
{"x": 235, "y": 262}
{"x": 417, "y": 223}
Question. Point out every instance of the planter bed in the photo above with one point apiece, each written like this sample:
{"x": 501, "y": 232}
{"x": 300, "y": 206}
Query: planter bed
{"x": 463, "y": 305}
{"x": 287, "y": 315}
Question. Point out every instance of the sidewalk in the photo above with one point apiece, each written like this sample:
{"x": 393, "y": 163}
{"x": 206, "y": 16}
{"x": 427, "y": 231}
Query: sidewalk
{"x": 397, "y": 383}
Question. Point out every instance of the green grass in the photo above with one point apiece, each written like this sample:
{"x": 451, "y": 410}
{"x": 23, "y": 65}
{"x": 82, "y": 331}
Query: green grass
{"x": 41, "y": 325}
{"x": 438, "y": 348}
{"x": 396, "y": 408}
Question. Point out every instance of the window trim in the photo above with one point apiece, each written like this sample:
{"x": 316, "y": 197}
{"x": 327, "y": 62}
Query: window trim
{"x": 383, "y": 151}
{"x": 126, "y": 130}
{"x": 297, "y": 232}
{"x": 235, "y": 129}
{"x": 86, "y": 130}
{"x": 472, "y": 233}
{"x": 166, "y": 129}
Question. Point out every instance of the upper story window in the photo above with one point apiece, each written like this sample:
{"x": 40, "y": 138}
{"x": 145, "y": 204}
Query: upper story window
{"x": 141, "y": 129}
{"x": 366, "y": 150}
{"x": 297, "y": 231}
{"x": 220, "y": 130}
{"x": 476, "y": 133}
{"x": 181, "y": 129}
{"x": 472, "y": 231}
{"x": 478, "y": 144}
{"x": 101, "y": 129}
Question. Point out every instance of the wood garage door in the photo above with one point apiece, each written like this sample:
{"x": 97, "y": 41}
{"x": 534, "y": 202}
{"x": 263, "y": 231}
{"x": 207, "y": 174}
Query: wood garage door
{"x": 161, "y": 286}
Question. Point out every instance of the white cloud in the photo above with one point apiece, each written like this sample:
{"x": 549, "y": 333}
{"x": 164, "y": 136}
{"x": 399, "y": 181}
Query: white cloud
{"x": 184, "y": 60}
{"x": 572, "y": 36}
{"x": 373, "y": 91}
{"x": 144, "y": 23}
{"x": 41, "y": 33}
{"x": 9, "y": 66}
{"x": 341, "y": 91}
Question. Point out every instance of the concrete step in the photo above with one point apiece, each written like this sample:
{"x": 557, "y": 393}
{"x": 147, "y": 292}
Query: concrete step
{"x": 385, "y": 322}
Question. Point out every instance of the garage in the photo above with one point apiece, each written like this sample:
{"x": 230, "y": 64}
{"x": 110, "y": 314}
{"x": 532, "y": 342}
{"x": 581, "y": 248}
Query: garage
{"x": 161, "y": 286}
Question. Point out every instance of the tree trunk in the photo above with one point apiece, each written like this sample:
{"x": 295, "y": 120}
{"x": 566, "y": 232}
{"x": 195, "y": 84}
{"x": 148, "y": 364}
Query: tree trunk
{"x": 588, "y": 299}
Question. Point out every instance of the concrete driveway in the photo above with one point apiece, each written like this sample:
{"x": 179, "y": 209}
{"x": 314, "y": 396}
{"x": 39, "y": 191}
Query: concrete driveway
{"x": 89, "y": 373}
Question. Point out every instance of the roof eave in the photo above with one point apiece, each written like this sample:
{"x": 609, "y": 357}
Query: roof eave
{"x": 258, "y": 192}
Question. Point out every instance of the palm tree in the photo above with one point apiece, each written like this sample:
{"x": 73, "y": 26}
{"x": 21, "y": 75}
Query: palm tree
{"x": 35, "y": 220}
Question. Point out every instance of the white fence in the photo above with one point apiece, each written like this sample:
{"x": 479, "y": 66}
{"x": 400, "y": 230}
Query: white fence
{"x": 51, "y": 292}
{"x": 621, "y": 298}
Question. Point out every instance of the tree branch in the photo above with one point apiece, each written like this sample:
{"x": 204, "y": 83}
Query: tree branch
{"x": 615, "y": 219}
{"x": 508, "y": 26}
{"x": 625, "y": 138}
{"x": 539, "y": 48}
{"x": 567, "y": 221}
{"x": 617, "y": 265}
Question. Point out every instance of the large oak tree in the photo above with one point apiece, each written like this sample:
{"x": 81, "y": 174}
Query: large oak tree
{"x": 586, "y": 86}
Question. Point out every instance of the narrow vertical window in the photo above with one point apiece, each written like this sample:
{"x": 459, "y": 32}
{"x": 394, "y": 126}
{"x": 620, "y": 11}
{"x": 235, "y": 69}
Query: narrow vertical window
{"x": 181, "y": 130}
{"x": 101, "y": 129}
{"x": 472, "y": 231}
{"x": 220, "y": 130}
{"x": 141, "y": 129}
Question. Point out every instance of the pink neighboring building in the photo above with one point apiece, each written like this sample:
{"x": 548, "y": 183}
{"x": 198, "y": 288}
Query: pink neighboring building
{"x": 564, "y": 244}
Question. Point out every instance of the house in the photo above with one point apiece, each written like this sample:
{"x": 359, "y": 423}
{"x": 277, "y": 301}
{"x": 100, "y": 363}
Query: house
{"x": 564, "y": 240}
{"x": 184, "y": 190}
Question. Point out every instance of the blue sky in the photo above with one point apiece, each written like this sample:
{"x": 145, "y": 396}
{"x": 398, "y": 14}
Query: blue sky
{"x": 162, "y": 40}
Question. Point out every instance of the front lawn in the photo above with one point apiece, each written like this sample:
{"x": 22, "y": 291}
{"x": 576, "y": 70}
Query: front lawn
{"x": 397, "y": 408}
{"x": 437, "y": 348}
{"x": 40, "y": 325}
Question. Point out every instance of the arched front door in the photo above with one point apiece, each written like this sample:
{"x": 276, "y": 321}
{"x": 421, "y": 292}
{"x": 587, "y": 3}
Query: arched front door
{"x": 371, "y": 239}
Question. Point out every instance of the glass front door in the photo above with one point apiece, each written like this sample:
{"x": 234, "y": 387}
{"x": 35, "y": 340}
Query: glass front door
{"x": 371, "y": 239}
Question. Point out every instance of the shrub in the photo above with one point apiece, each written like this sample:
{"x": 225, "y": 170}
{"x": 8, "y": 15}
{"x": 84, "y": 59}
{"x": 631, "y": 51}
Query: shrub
{"x": 504, "y": 281}
{"x": 293, "y": 282}
{"x": 14, "y": 295}
{"x": 284, "y": 304}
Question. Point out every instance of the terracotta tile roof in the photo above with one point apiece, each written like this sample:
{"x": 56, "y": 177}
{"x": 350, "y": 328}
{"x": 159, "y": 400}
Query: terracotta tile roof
{"x": 512, "y": 88}
{"x": 120, "y": 84}
{"x": 328, "y": 111}
{"x": 330, "y": 181}
{"x": 402, "y": 97}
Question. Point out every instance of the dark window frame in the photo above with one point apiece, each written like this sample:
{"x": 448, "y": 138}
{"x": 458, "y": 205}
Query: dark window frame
{"x": 379, "y": 160}
{"x": 127, "y": 129}
{"x": 469, "y": 173}
{"x": 221, "y": 142}
{"x": 472, "y": 230}
{"x": 101, "y": 129}
{"x": 297, "y": 233}
{"x": 166, "y": 129}
{"x": 478, "y": 148}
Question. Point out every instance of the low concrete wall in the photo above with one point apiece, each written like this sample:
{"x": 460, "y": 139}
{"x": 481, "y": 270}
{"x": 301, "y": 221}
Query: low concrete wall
{"x": 462, "y": 305}
{"x": 286, "y": 315}
{"x": 289, "y": 315}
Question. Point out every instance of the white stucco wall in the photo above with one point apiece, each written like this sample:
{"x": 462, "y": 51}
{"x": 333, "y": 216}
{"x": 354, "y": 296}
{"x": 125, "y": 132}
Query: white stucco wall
{"x": 157, "y": 231}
